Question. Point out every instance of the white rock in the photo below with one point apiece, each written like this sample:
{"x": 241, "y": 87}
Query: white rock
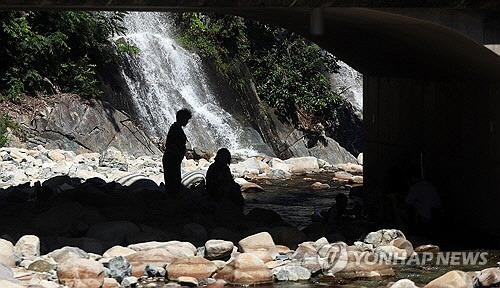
{"x": 7, "y": 256}
{"x": 360, "y": 159}
{"x": 306, "y": 163}
{"x": 28, "y": 246}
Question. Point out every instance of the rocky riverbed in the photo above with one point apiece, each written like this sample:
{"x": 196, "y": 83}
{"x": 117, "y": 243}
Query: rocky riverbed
{"x": 104, "y": 220}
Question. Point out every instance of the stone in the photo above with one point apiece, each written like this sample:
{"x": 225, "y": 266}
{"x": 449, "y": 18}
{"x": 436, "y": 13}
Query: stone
{"x": 81, "y": 273}
{"x": 251, "y": 187}
{"x": 279, "y": 164}
{"x": 6, "y": 273}
{"x": 218, "y": 249}
{"x": 320, "y": 186}
{"x": 427, "y": 249}
{"x": 196, "y": 267}
{"x": 403, "y": 283}
{"x": 260, "y": 245}
{"x": 352, "y": 168}
{"x": 177, "y": 248}
{"x": 152, "y": 270}
{"x": 306, "y": 163}
{"x": 404, "y": 244}
{"x": 28, "y": 246}
{"x": 489, "y": 277}
{"x": 42, "y": 266}
{"x": 9, "y": 284}
{"x": 291, "y": 272}
{"x": 360, "y": 265}
{"x": 383, "y": 237}
{"x": 117, "y": 251}
{"x": 119, "y": 268}
{"x": 159, "y": 256}
{"x": 279, "y": 174}
{"x": 360, "y": 159}
{"x": 56, "y": 155}
{"x": 130, "y": 281}
{"x": 342, "y": 175}
{"x": 7, "y": 255}
{"x": 246, "y": 269}
{"x": 250, "y": 164}
{"x": 390, "y": 252}
{"x": 357, "y": 179}
{"x": 66, "y": 253}
{"x": 288, "y": 236}
{"x": 452, "y": 279}
{"x": 188, "y": 281}
{"x": 113, "y": 158}
{"x": 110, "y": 283}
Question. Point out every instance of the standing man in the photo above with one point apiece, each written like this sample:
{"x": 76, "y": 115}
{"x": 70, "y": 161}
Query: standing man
{"x": 175, "y": 148}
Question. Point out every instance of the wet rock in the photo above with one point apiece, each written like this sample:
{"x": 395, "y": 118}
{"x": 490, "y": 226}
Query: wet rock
{"x": 218, "y": 249}
{"x": 188, "y": 281}
{"x": 427, "y": 249}
{"x": 251, "y": 187}
{"x": 452, "y": 279}
{"x": 489, "y": 277}
{"x": 117, "y": 251}
{"x": 159, "y": 256}
{"x": 196, "y": 267}
{"x": 291, "y": 272}
{"x": 66, "y": 253}
{"x": 260, "y": 245}
{"x": 81, "y": 273}
{"x": 7, "y": 256}
{"x": 320, "y": 186}
{"x": 246, "y": 269}
{"x": 28, "y": 246}
{"x": 130, "y": 281}
{"x": 383, "y": 237}
{"x": 119, "y": 268}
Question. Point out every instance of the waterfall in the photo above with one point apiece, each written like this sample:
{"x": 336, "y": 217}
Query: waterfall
{"x": 163, "y": 78}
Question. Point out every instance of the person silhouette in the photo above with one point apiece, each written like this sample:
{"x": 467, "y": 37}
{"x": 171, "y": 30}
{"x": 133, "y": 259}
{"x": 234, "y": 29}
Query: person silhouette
{"x": 175, "y": 148}
{"x": 219, "y": 180}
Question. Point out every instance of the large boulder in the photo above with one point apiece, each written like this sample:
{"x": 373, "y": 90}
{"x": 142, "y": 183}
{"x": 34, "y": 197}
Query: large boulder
{"x": 63, "y": 254}
{"x": 7, "y": 256}
{"x": 81, "y": 273}
{"x": 117, "y": 251}
{"x": 260, "y": 245}
{"x": 246, "y": 269}
{"x": 196, "y": 267}
{"x": 176, "y": 248}
{"x": 362, "y": 265}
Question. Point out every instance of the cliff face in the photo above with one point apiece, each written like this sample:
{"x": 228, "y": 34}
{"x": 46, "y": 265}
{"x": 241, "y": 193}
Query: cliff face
{"x": 68, "y": 122}
{"x": 285, "y": 140}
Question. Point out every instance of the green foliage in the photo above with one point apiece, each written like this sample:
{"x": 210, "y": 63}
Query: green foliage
{"x": 289, "y": 71}
{"x": 66, "y": 49}
{"x": 5, "y": 122}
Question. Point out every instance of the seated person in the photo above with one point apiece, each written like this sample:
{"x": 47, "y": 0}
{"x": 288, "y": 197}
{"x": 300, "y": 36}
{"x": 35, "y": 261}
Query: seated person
{"x": 338, "y": 209}
{"x": 219, "y": 180}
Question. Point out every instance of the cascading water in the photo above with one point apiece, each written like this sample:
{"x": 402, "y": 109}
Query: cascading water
{"x": 164, "y": 78}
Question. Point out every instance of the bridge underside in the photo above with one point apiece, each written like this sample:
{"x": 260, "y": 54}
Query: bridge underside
{"x": 432, "y": 94}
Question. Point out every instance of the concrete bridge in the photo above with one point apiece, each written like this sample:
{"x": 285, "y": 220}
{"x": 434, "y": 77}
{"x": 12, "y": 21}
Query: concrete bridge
{"x": 431, "y": 86}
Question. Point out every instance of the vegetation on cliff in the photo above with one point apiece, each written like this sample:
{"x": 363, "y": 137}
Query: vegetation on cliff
{"x": 48, "y": 52}
{"x": 290, "y": 72}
